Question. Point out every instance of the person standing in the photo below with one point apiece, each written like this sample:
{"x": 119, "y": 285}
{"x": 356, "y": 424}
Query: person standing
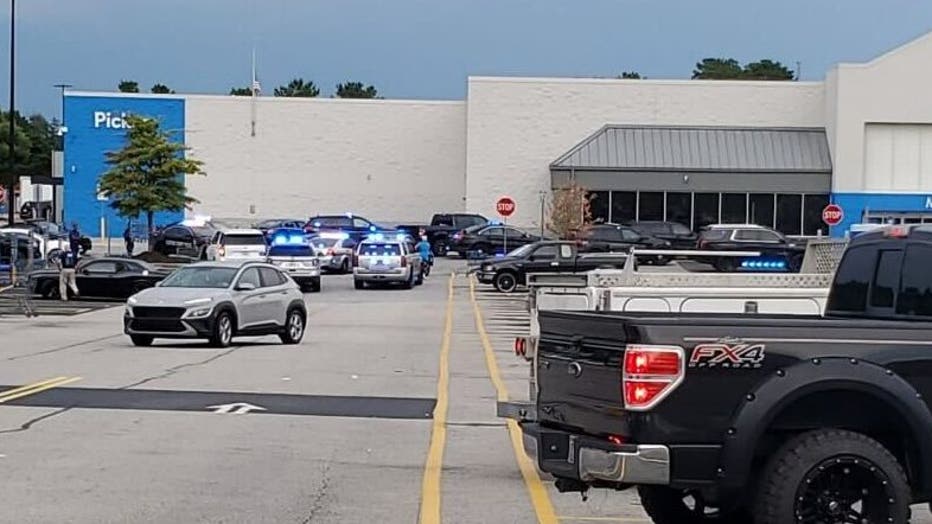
{"x": 128, "y": 239}
{"x": 74, "y": 240}
{"x": 68, "y": 261}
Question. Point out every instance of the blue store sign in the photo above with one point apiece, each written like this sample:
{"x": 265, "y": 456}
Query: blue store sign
{"x": 97, "y": 125}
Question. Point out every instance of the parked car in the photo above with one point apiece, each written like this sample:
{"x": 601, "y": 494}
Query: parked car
{"x": 489, "y": 240}
{"x": 238, "y": 244}
{"x": 183, "y": 241}
{"x": 99, "y": 278}
{"x": 335, "y": 251}
{"x": 270, "y": 225}
{"x": 387, "y": 260}
{"x": 49, "y": 247}
{"x": 610, "y": 238}
{"x": 776, "y": 251}
{"x": 679, "y": 236}
{"x": 442, "y": 227}
{"x": 752, "y": 418}
{"x": 218, "y": 301}
{"x": 355, "y": 226}
{"x": 510, "y": 271}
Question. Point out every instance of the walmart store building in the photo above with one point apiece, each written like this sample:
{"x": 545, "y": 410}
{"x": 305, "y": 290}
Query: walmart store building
{"x": 696, "y": 152}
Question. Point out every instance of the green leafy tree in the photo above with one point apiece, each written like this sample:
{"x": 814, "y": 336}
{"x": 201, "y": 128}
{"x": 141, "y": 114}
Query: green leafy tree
{"x": 630, "y": 75}
{"x": 41, "y": 135}
{"x": 162, "y": 89}
{"x": 767, "y": 70}
{"x": 147, "y": 175}
{"x": 298, "y": 88}
{"x": 570, "y": 211}
{"x": 128, "y": 86}
{"x": 240, "y": 91}
{"x": 718, "y": 69}
{"x": 22, "y": 149}
{"x": 356, "y": 90}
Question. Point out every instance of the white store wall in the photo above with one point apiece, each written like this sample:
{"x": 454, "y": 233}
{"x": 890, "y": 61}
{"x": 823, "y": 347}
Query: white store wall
{"x": 518, "y": 126}
{"x": 383, "y": 159}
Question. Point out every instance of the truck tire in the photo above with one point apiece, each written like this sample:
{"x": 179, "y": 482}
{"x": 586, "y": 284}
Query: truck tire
{"x": 505, "y": 282}
{"x": 439, "y": 248}
{"x": 833, "y": 474}
{"x": 665, "y": 505}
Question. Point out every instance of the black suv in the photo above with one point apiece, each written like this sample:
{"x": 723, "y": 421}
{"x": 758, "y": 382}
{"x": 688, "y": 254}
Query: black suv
{"x": 183, "y": 241}
{"x": 678, "y": 235}
{"x": 610, "y": 238}
{"x": 356, "y": 227}
{"x": 773, "y": 247}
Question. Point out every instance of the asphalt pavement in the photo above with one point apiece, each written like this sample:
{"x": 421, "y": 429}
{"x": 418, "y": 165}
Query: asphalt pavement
{"x": 385, "y": 413}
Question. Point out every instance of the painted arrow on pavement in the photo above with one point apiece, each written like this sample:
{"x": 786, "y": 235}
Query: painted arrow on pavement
{"x": 236, "y": 408}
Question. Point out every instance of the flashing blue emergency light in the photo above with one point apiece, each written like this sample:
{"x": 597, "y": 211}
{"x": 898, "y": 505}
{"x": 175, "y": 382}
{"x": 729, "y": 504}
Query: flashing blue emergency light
{"x": 371, "y": 228}
{"x": 763, "y": 263}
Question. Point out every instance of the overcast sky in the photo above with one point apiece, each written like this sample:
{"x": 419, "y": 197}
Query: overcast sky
{"x": 426, "y": 48}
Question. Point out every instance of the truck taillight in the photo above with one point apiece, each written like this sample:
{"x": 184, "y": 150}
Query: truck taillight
{"x": 650, "y": 373}
{"x": 520, "y": 346}
{"x": 222, "y": 251}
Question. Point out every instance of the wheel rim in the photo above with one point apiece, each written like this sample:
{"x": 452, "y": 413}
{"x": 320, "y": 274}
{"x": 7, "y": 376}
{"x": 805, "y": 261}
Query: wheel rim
{"x": 225, "y": 329}
{"x": 506, "y": 282}
{"x": 695, "y": 505}
{"x": 295, "y": 326}
{"x": 845, "y": 490}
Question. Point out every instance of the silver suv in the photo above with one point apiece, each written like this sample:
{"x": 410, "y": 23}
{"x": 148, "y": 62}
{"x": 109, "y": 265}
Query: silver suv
{"x": 217, "y": 301}
{"x": 392, "y": 261}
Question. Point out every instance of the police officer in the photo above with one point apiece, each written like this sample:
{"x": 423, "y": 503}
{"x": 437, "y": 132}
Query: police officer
{"x": 68, "y": 261}
{"x": 128, "y": 239}
{"x": 74, "y": 240}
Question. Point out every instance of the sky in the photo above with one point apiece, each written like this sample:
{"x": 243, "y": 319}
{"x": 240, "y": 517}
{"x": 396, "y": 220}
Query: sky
{"x": 425, "y": 49}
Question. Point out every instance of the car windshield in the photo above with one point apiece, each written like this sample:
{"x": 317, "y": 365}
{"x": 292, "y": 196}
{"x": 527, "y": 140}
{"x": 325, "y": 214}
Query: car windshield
{"x": 380, "y": 250}
{"x": 244, "y": 240}
{"x": 291, "y": 251}
{"x": 521, "y": 251}
{"x": 205, "y": 277}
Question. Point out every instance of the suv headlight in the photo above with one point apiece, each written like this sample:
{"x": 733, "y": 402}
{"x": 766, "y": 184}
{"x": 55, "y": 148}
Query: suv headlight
{"x": 198, "y": 312}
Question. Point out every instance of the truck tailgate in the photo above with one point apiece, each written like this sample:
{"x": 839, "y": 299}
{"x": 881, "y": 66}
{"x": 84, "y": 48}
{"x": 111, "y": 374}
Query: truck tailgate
{"x": 579, "y": 377}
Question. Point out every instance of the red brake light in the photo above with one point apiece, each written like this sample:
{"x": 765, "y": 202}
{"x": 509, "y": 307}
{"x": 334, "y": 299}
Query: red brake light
{"x": 520, "y": 346}
{"x": 649, "y": 374}
{"x": 330, "y": 251}
{"x": 897, "y": 232}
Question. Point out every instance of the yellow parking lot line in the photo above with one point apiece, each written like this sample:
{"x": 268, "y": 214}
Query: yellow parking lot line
{"x": 37, "y": 387}
{"x": 430, "y": 485}
{"x": 540, "y": 499}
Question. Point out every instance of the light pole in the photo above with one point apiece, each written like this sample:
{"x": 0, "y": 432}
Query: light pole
{"x": 62, "y": 129}
{"x": 11, "y": 199}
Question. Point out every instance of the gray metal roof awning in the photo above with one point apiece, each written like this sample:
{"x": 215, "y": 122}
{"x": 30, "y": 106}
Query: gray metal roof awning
{"x": 701, "y": 149}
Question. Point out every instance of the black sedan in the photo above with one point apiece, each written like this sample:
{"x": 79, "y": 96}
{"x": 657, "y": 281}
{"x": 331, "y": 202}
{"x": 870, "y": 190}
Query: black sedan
{"x": 487, "y": 240}
{"x": 100, "y": 278}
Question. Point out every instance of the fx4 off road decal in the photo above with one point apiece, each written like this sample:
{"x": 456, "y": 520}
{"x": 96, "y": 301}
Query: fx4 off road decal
{"x": 727, "y": 355}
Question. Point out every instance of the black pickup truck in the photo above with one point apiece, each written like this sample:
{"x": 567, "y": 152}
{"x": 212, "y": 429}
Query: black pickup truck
{"x": 442, "y": 227}
{"x": 752, "y": 418}
{"x": 508, "y": 272}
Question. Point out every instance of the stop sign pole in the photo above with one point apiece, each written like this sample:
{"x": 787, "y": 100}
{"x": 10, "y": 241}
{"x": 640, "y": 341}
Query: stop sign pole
{"x": 505, "y": 207}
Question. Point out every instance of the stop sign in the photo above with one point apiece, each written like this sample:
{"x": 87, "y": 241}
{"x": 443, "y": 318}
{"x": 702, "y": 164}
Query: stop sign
{"x": 833, "y": 214}
{"x": 505, "y": 206}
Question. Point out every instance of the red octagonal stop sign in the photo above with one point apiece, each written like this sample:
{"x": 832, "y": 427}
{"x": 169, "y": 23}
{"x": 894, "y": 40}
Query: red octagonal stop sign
{"x": 505, "y": 206}
{"x": 833, "y": 214}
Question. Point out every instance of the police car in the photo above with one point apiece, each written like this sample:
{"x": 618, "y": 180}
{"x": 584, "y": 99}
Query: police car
{"x": 387, "y": 259}
{"x": 292, "y": 252}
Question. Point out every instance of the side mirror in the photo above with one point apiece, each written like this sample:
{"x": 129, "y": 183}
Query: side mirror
{"x": 245, "y": 286}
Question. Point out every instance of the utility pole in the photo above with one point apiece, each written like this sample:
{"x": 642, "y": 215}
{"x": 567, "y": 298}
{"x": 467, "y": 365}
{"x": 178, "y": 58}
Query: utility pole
{"x": 254, "y": 88}
{"x": 11, "y": 198}
{"x": 799, "y": 70}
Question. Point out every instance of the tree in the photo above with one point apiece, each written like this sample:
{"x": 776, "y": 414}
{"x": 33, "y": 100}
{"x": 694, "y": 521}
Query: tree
{"x": 128, "y": 86}
{"x": 767, "y": 70}
{"x": 718, "y": 69}
{"x": 161, "y": 89}
{"x": 630, "y": 75}
{"x": 41, "y": 135}
{"x": 147, "y": 175}
{"x": 298, "y": 88}
{"x": 570, "y": 211}
{"x": 22, "y": 149}
{"x": 240, "y": 91}
{"x": 356, "y": 90}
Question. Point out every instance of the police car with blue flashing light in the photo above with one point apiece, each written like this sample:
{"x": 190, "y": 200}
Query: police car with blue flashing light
{"x": 291, "y": 251}
{"x": 387, "y": 258}
{"x": 777, "y": 253}
{"x": 334, "y": 251}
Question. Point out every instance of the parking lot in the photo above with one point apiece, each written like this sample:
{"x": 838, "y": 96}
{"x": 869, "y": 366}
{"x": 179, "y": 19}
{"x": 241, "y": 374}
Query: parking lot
{"x": 385, "y": 413}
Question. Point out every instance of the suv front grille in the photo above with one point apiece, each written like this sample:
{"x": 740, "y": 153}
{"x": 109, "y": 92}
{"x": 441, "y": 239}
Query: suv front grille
{"x": 158, "y": 312}
{"x": 157, "y": 325}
